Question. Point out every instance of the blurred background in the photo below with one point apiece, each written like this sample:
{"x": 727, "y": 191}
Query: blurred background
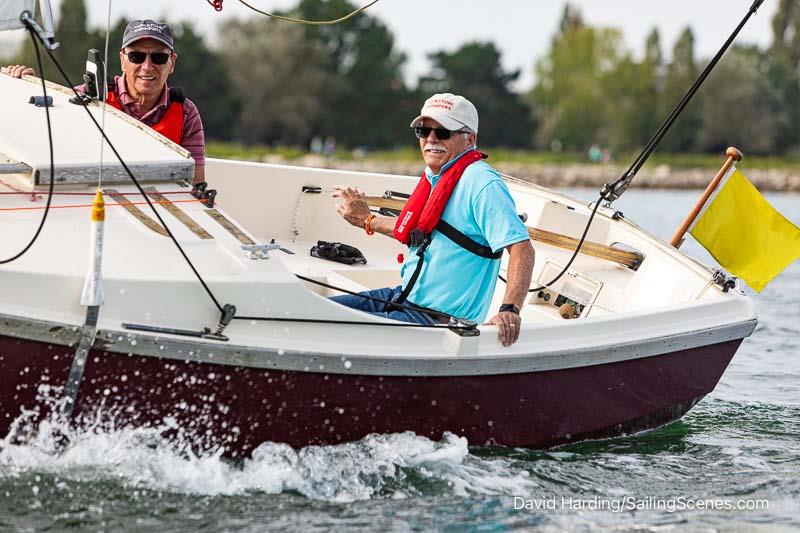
{"x": 586, "y": 83}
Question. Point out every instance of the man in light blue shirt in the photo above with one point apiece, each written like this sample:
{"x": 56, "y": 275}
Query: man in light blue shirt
{"x": 453, "y": 279}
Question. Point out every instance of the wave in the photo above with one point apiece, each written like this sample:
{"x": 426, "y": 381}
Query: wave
{"x": 158, "y": 458}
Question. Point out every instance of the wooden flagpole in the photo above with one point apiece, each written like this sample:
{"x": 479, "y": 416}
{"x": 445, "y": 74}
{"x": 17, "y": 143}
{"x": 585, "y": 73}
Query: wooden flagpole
{"x": 734, "y": 155}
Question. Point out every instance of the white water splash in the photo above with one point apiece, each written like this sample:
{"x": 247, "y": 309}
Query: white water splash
{"x": 376, "y": 467}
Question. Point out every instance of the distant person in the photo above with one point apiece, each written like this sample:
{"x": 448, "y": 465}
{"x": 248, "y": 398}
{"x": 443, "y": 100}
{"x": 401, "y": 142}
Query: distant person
{"x": 595, "y": 153}
{"x": 460, "y": 218}
{"x": 329, "y": 148}
{"x": 148, "y": 58}
{"x": 316, "y": 145}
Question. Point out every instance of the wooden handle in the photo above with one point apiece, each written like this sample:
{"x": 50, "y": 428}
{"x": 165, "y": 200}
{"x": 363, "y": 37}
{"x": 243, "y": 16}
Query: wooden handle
{"x": 734, "y": 155}
{"x": 628, "y": 259}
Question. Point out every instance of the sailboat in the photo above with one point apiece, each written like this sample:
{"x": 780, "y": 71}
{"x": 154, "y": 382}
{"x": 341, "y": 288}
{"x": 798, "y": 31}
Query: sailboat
{"x": 215, "y": 317}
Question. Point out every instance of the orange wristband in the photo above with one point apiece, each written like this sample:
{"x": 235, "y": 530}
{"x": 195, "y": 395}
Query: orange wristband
{"x": 368, "y": 225}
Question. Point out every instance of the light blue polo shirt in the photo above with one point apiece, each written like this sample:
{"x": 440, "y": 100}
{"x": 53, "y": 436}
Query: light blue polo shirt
{"x": 454, "y": 280}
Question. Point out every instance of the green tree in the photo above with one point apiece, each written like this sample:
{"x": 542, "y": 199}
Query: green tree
{"x": 25, "y": 55}
{"x": 786, "y": 32}
{"x": 475, "y": 71}
{"x": 630, "y": 101}
{"x": 72, "y": 33}
{"x": 783, "y": 70}
{"x": 97, "y": 38}
{"x": 74, "y": 41}
{"x": 279, "y": 77}
{"x": 633, "y": 91}
{"x": 652, "y": 49}
{"x": 746, "y": 109}
{"x": 571, "y": 94}
{"x": 680, "y": 74}
{"x": 571, "y": 19}
{"x": 366, "y": 101}
{"x": 204, "y": 76}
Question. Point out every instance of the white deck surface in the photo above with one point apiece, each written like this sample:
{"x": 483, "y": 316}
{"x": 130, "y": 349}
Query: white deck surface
{"x": 76, "y": 140}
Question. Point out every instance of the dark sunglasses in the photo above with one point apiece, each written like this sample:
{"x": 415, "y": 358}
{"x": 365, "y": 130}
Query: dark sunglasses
{"x": 442, "y": 134}
{"x": 158, "y": 58}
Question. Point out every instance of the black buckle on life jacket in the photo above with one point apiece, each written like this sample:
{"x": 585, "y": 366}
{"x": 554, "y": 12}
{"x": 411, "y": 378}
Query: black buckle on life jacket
{"x": 417, "y": 238}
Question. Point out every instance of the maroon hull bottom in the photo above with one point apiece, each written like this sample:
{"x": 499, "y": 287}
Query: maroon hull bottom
{"x": 240, "y": 407}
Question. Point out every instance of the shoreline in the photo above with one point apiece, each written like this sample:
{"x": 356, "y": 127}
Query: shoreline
{"x": 571, "y": 175}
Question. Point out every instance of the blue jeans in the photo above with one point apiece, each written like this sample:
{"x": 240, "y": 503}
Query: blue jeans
{"x": 376, "y": 308}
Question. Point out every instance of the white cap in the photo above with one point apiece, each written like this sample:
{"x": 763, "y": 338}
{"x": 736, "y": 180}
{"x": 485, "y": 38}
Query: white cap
{"x": 450, "y": 110}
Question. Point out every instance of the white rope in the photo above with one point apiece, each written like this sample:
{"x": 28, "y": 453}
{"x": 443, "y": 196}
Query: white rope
{"x": 102, "y": 89}
{"x": 295, "y": 230}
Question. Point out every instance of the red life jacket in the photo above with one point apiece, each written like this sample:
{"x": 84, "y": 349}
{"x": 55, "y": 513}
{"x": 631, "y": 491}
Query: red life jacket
{"x": 171, "y": 124}
{"x": 422, "y": 214}
{"x": 424, "y": 209}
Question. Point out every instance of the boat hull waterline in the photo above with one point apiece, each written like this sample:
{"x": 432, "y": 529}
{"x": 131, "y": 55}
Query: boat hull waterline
{"x": 236, "y": 407}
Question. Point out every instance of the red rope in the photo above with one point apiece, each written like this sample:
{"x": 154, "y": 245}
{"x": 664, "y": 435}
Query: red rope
{"x": 89, "y": 205}
{"x": 19, "y": 191}
{"x": 33, "y": 195}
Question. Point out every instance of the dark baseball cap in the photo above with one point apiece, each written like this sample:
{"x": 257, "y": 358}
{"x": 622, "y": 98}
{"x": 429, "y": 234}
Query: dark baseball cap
{"x": 147, "y": 29}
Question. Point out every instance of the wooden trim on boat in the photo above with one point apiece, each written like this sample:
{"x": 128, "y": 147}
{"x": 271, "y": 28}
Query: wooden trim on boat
{"x": 175, "y": 211}
{"x": 135, "y": 212}
{"x": 230, "y": 227}
{"x": 601, "y": 251}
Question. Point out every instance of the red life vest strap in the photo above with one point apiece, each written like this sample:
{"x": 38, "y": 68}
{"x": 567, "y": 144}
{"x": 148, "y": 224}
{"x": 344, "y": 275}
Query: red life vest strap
{"x": 424, "y": 209}
{"x": 171, "y": 124}
{"x": 423, "y": 213}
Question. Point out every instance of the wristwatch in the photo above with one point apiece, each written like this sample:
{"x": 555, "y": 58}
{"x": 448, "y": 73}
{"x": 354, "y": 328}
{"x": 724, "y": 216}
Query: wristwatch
{"x": 509, "y": 308}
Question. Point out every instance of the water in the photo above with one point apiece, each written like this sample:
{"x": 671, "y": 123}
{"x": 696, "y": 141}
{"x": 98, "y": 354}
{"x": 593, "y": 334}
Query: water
{"x": 739, "y": 446}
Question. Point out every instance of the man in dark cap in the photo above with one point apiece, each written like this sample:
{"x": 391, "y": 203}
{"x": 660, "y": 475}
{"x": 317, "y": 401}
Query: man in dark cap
{"x": 148, "y": 58}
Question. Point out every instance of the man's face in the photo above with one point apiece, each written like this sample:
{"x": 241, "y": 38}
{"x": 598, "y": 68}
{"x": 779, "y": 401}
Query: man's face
{"x": 437, "y": 152}
{"x": 146, "y": 79}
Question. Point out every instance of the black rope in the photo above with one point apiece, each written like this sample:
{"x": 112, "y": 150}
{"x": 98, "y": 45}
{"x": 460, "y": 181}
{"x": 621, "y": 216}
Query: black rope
{"x": 352, "y": 293}
{"x": 609, "y": 192}
{"x": 574, "y": 254}
{"x": 396, "y": 324}
{"x": 185, "y": 256}
{"x": 138, "y": 186}
{"x": 673, "y": 116}
{"x": 577, "y": 249}
{"x": 366, "y": 297}
{"x": 52, "y": 158}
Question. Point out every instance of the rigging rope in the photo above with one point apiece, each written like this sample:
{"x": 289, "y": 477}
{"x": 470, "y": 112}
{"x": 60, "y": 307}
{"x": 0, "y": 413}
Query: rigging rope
{"x": 19, "y": 192}
{"x": 138, "y": 185}
{"x": 52, "y": 157}
{"x": 102, "y": 89}
{"x": 609, "y": 192}
{"x": 197, "y": 274}
{"x": 303, "y": 21}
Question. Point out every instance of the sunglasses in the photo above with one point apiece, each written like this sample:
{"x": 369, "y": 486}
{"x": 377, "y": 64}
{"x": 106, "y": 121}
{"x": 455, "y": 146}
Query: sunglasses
{"x": 442, "y": 134}
{"x": 158, "y": 58}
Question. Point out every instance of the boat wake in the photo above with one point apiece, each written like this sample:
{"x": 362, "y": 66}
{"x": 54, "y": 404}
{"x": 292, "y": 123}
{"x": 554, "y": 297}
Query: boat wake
{"x": 157, "y": 458}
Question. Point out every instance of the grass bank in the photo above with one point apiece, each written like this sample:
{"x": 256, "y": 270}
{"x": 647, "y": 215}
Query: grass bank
{"x": 226, "y": 150}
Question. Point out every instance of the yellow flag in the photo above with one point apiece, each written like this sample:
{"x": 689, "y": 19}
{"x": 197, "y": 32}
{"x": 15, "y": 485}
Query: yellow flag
{"x": 745, "y": 234}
